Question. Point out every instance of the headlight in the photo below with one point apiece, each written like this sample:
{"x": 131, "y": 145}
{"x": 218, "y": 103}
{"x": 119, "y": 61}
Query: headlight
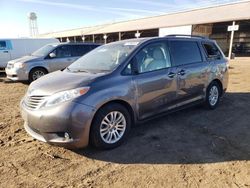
{"x": 64, "y": 96}
{"x": 19, "y": 65}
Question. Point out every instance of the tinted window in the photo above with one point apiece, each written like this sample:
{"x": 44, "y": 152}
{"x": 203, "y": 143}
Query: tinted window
{"x": 2, "y": 44}
{"x": 93, "y": 46}
{"x": 185, "y": 52}
{"x": 212, "y": 51}
{"x": 63, "y": 51}
{"x": 153, "y": 57}
{"x": 80, "y": 50}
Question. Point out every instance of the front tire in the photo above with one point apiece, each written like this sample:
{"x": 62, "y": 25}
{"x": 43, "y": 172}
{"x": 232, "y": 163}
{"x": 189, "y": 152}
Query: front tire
{"x": 213, "y": 95}
{"x": 36, "y": 73}
{"x": 110, "y": 126}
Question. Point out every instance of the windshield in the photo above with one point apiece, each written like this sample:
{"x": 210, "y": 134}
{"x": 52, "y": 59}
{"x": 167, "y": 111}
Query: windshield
{"x": 104, "y": 58}
{"x": 44, "y": 50}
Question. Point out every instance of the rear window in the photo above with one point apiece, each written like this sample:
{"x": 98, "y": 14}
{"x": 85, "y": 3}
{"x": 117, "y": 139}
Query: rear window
{"x": 185, "y": 52}
{"x": 2, "y": 45}
{"x": 212, "y": 51}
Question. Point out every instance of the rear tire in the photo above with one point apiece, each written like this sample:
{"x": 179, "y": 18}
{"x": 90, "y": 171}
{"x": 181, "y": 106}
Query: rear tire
{"x": 110, "y": 126}
{"x": 213, "y": 95}
{"x": 36, "y": 73}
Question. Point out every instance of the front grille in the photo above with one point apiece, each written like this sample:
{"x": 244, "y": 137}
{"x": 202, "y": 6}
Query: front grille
{"x": 33, "y": 102}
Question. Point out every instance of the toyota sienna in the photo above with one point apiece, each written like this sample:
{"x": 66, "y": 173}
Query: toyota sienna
{"x": 98, "y": 97}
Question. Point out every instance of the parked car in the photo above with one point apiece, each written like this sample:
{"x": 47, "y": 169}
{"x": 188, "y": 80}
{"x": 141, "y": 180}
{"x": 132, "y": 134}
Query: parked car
{"x": 15, "y": 48}
{"x": 47, "y": 59}
{"x": 99, "y": 97}
{"x": 242, "y": 49}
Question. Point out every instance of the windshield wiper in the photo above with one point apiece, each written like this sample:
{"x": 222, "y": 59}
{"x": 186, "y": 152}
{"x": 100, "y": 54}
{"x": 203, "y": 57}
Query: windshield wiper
{"x": 81, "y": 71}
{"x": 77, "y": 70}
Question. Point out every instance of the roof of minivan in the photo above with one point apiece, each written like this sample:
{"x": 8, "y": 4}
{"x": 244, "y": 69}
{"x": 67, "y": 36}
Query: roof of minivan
{"x": 138, "y": 40}
{"x": 184, "y": 37}
{"x": 71, "y": 43}
{"x": 78, "y": 43}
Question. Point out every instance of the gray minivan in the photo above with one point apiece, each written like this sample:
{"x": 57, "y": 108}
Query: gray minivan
{"x": 47, "y": 59}
{"x": 98, "y": 97}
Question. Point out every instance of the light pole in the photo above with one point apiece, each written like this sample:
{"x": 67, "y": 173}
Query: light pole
{"x": 105, "y": 38}
{"x": 137, "y": 34}
{"x": 83, "y": 38}
{"x": 119, "y": 36}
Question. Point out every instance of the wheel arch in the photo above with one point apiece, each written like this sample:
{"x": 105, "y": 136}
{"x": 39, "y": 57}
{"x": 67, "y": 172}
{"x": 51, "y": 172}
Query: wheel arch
{"x": 121, "y": 102}
{"x": 219, "y": 83}
{"x": 38, "y": 67}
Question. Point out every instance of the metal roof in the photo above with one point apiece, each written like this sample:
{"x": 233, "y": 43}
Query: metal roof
{"x": 222, "y": 13}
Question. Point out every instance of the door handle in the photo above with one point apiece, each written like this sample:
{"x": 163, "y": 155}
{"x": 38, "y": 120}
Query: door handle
{"x": 171, "y": 75}
{"x": 5, "y": 51}
{"x": 182, "y": 72}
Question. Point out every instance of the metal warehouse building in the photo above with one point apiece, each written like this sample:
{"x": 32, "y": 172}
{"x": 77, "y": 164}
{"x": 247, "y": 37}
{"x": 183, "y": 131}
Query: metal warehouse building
{"x": 212, "y": 22}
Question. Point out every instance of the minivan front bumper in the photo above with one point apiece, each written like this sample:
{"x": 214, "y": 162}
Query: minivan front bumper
{"x": 65, "y": 125}
{"x": 17, "y": 74}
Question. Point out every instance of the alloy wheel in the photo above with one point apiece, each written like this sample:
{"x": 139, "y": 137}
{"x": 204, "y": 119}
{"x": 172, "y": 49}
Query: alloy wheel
{"x": 213, "y": 95}
{"x": 37, "y": 74}
{"x": 113, "y": 127}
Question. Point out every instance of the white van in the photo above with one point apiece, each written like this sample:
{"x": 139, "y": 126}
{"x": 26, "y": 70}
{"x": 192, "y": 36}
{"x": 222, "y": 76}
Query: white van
{"x": 15, "y": 48}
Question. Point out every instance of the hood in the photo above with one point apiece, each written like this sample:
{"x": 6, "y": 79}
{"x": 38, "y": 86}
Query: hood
{"x": 61, "y": 81}
{"x": 26, "y": 59}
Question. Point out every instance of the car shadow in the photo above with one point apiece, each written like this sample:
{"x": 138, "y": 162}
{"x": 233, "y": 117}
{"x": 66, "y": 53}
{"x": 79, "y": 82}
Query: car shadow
{"x": 191, "y": 136}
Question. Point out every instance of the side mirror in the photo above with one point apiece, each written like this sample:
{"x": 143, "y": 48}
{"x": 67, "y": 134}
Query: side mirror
{"x": 52, "y": 55}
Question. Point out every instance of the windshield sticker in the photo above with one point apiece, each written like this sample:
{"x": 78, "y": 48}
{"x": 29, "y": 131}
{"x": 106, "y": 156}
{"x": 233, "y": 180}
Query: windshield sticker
{"x": 131, "y": 43}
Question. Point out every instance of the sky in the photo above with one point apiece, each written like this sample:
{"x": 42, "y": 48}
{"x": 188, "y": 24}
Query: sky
{"x": 56, "y": 15}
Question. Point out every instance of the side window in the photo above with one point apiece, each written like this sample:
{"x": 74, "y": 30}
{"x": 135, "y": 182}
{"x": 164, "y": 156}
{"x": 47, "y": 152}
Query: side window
{"x": 63, "y": 51}
{"x": 212, "y": 51}
{"x": 2, "y": 45}
{"x": 93, "y": 47}
{"x": 153, "y": 57}
{"x": 128, "y": 70}
{"x": 80, "y": 50}
{"x": 185, "y": 52}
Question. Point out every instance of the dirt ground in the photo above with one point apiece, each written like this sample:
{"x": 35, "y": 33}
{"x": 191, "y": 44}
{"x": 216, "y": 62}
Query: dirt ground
{"x": 191, "y": 148}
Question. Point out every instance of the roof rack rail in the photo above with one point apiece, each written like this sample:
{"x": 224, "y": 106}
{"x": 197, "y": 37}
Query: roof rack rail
{"x": 191, "y": 36}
